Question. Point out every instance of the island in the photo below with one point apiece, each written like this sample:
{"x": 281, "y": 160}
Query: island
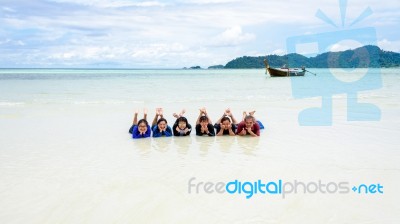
{"x": 216, "y": 67}
{"x": 353, "y": 58}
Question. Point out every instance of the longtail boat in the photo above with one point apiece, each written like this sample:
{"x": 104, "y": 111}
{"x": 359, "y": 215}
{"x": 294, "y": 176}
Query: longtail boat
{"x": 282, "y": 72}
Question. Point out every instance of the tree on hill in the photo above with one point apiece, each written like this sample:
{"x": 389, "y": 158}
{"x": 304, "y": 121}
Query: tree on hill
{"x": 362, "y": 57}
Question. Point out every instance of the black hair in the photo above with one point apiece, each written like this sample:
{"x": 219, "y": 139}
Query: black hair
{"x": 161, "y": 119}
{"x": 226, "y": 118}
{"x": 182, "y": 119}
{"x": 143, "y": 121}
{"x": 203, "y": 118}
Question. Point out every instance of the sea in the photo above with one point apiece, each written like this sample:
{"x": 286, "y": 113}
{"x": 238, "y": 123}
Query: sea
{"x": 66, "y": 155}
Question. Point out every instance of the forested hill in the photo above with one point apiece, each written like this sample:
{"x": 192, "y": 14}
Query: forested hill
{"x": 367, "y": 56}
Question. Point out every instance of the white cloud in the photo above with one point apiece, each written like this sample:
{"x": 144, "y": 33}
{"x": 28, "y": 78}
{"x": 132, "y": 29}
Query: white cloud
{"x": 8, "y": 9}
{"x": 173, "y": 33}
{"x": 114, "y": 3}
{"x": 127, "y": 3}
{"x": 10, "y": 42}
{"x": 389, "y": 45}
{"x": 279, "y": 52}
{"x": 204, "y": 2}
{"x": 232, "y": 36}
{"x": 344, "y": 45}
{"x": 125, "y": 56}
{"x": 4, "y": 41}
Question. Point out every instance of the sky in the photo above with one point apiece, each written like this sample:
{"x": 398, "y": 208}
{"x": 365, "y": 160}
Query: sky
{"x": 177, "y": 33}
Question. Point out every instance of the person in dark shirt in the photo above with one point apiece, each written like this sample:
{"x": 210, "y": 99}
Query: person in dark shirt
{"x": 226, "y": 125}
{"x": 204, "y": 125}
{"x": 160, "y": 125}
{"x": 181, "y": 126}
{"x": 141, "y": 128}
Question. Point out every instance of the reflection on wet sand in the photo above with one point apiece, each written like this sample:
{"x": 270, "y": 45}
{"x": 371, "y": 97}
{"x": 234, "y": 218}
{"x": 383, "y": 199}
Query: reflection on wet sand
{"x": 248, "y": 144}
{"x": 162, "y": 144}
{"x": 225, "y": 143}
{"x": 182, "y": 144}
{"x": 142, "y": 146}
{"x": 204, "y": 143}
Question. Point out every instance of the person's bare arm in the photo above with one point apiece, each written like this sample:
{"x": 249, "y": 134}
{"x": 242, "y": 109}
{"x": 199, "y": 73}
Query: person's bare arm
{"x": 251, "y": 132}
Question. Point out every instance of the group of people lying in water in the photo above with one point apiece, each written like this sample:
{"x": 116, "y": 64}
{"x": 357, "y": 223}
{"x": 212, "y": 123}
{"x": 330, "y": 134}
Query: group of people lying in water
{"x": 226, "y": 125}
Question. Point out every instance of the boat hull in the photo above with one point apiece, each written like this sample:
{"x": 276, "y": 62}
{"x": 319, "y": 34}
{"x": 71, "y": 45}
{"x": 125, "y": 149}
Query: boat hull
{"x": 273, "y": 72}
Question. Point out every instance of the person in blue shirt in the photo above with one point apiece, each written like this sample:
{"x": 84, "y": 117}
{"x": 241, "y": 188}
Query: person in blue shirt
{"x": 141, "y": 128}
{"x": 181, "y": 126}
{"x": 160, "y": 125}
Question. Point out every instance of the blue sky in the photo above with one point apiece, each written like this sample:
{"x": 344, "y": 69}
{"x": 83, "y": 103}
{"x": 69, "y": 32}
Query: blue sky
{"x": 172, "y": 34}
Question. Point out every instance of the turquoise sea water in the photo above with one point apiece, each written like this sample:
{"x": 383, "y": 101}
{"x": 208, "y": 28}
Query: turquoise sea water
{"x": 54, "y": 86}
{"x": 66, "y": 155}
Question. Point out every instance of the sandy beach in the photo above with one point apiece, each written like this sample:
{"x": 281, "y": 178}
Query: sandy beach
{"x": 66, "y": 155}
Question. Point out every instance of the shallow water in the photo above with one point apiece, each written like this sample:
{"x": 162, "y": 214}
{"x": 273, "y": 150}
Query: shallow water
{"x": 66, "y": 155}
